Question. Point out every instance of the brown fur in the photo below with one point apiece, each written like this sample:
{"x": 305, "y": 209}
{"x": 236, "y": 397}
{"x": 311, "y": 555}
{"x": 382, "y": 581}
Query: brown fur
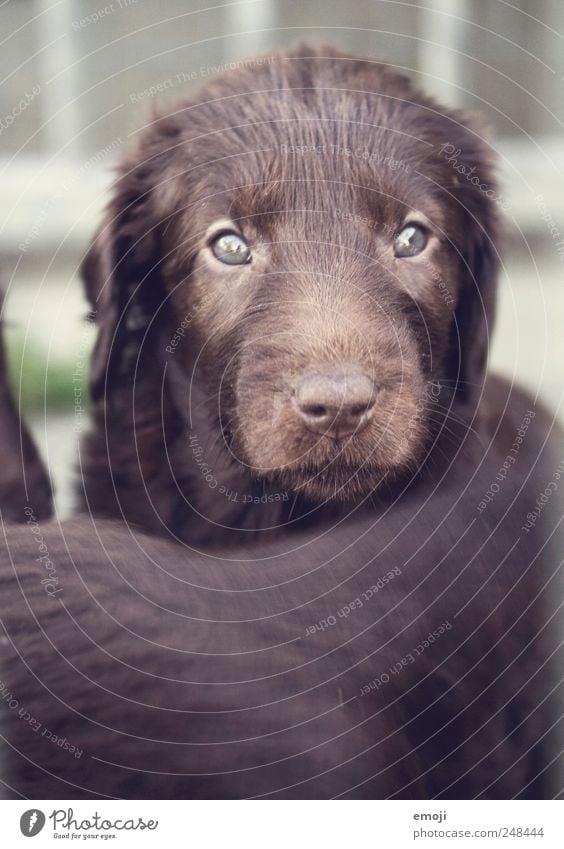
{"x": 134, "y": 667}
{"x": 318, "y": 159}
{"x": 256, "y": 672}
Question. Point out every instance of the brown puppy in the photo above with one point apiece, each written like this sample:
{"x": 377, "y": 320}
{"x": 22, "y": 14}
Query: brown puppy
{"x": 293, "y": 288}
{"x": 409, "y": 651}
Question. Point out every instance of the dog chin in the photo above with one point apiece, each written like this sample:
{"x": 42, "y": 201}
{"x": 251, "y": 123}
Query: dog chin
{"x": 329, "y": 484}
{"x": 324, "y": 479}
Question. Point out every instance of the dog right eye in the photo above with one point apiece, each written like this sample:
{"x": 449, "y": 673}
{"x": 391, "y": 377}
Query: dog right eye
{"x": 231, "y": 249}
{"x": 410, "y": 241}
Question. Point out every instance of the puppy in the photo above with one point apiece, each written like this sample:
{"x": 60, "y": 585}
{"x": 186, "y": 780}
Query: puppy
{"x": 294, "y": 293}
{"x": 293, "y": 289}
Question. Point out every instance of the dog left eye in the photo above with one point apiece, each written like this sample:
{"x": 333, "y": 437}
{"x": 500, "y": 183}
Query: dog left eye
{"x": 410, "y": 241}
{"x": 231, "y": 249}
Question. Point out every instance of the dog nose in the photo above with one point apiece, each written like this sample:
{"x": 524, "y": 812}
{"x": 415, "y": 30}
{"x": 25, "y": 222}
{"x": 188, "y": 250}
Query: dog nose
{"x": 335, "y": 402}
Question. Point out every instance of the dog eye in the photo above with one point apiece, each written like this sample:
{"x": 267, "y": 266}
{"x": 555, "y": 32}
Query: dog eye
{"x": 410, "y": 241}
{"x": 231, "y": 249}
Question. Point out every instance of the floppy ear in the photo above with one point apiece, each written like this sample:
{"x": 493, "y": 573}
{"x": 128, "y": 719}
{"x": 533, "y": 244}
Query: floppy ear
{"x": 475, "y": 313}
{"x": 121, "y": 274}
{"x": 474, "y": 185}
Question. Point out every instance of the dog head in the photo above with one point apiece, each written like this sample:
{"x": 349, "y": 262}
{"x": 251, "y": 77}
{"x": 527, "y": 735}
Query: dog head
{"x": 319, "y": 239}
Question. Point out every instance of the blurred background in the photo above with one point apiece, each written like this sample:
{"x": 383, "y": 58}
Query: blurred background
{"x": 77, "y": 78}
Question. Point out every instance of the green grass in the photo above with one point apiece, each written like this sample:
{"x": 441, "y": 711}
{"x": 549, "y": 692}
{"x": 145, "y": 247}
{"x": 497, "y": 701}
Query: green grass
{"x": 36, "y": 383}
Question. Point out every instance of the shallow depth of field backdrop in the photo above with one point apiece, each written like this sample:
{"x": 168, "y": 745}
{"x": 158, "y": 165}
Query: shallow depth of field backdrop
{"x": 78, "y": 78}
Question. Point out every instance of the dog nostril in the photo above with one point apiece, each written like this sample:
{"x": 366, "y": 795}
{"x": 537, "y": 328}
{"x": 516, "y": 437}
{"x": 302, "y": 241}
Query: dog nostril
{"x": 314, "y": 410}
{"x": 336, "y": 401}
{"x": 359, "y": 409}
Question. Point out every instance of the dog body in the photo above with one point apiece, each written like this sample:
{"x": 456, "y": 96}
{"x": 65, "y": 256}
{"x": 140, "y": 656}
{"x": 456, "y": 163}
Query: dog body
{"x": 354, "y": 665}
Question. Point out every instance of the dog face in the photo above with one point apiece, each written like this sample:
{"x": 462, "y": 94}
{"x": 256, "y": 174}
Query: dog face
{"x": 328, "y": 260}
